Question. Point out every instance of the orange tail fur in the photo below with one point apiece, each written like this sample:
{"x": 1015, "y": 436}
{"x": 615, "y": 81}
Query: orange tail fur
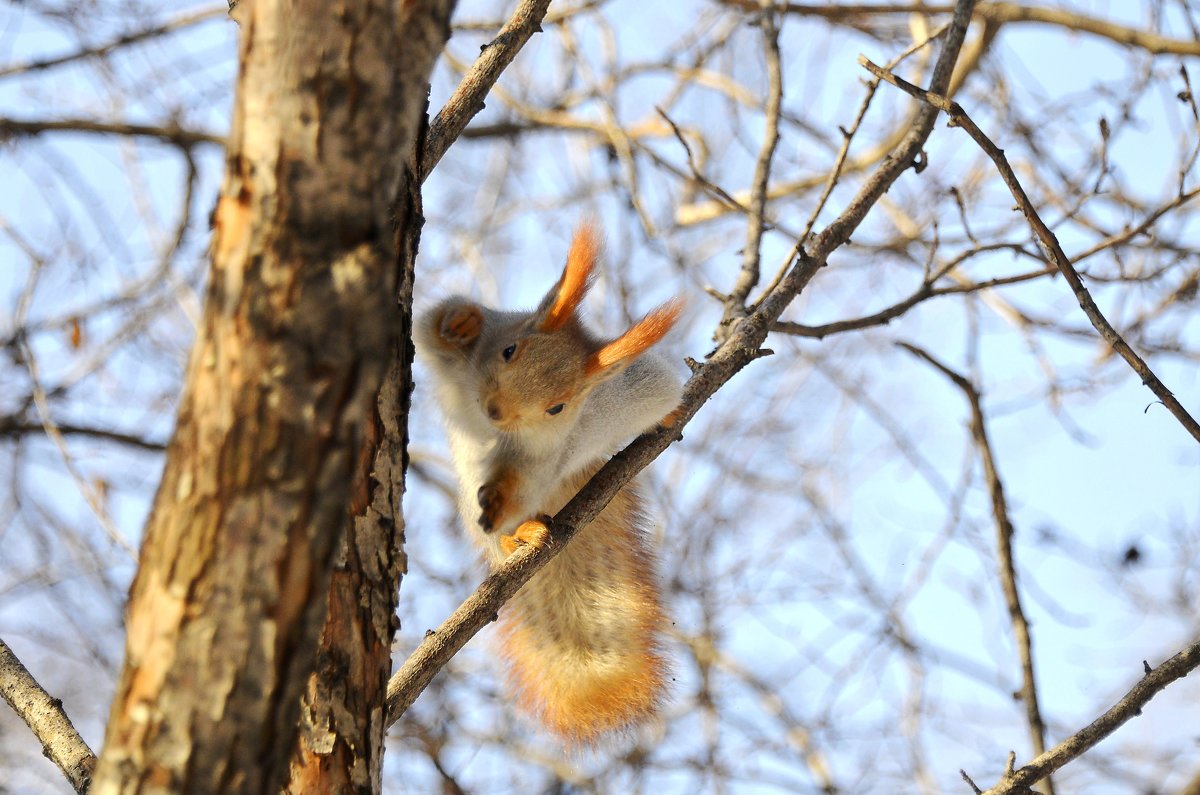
{"x": 582, "y": 637}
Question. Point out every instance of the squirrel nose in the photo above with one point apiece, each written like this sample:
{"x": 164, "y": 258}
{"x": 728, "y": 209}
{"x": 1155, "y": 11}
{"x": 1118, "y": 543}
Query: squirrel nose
{"x": 493, "y": 410}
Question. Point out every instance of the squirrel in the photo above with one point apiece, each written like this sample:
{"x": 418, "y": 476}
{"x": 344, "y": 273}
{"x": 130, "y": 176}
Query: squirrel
{"x": 534, "y": 403}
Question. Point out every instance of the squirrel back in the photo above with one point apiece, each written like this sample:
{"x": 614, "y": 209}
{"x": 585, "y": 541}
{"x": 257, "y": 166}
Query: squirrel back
{"x": 534, "y": 404}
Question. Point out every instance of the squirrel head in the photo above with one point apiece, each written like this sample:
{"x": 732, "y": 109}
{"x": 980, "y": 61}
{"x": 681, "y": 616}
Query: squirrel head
{"x": 542, "y": 370}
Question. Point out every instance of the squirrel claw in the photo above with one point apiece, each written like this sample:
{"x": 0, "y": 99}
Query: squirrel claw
{"x": 533, "y": 532}
{"x": 461, "y": 325}
{"x": 492, "y": 502}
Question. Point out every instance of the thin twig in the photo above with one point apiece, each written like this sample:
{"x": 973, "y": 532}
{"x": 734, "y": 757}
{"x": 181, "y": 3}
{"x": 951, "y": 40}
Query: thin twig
{"x": 927, "y": 290}
{"x": 1004, "y": 550}
{"x": 91, "y": 494}
{"x": 880, "y": 318}
{"x": 959, "y": 118}
{"x": 849, "y": 133}
{"x": 44, "y": 715}
{"x": 694, "y": 213}
{"x": 170, "y": 133}
{"x": 735, "y": 303}
{"x": 556, "y": 17}
{"x": 15, "y": 426}
{"x": 697, "y": 176}
{"x": 904, "y": 156}
{"x": 1001, "y": 13}
{"x": 1188, "y": 96}
{"x": 1133, "y": 231}
{"x": 170, "y": 26}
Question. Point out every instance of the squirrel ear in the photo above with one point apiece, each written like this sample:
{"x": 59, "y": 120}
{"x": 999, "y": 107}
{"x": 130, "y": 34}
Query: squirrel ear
{"x": 634, "y": 342}
{"x": 560, "y": 303}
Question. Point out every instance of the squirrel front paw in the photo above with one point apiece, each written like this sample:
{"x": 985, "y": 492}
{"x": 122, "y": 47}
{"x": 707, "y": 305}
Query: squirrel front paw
{"x": 493, "y": 502}
{"x": 460, "y": 325}
{"x": 533, "y": 533}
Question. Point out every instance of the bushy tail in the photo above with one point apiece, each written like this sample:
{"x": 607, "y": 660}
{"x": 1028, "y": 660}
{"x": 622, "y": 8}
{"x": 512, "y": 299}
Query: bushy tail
{"x": 582, "y": 637}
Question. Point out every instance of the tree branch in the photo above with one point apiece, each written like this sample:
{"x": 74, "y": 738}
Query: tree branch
{"x": 171, "y": 133}
{"x": 1130, "y": 706}
{"x": 959, "y": 118}
{"x": 1004, "y": 549}
{"x": 999, "y": 13}
{"x": 467, "y": 99}
{"x": 735, "y": 303}
{"x": 44, "y": 715}
{"x": 15, "y": 426}
{"x": 167, "y": 27}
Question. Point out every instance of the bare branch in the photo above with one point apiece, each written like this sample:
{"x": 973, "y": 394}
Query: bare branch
{"x": 735, "y": 303}
{"x": 16, "y": 427}
{"x": 905, "y": 154}
{"x": 959, "y": 118}
{"x": 1121, "y": 34}
{"x": 848, "y": 133}
{"x": 1004, "y": 550}
{"x": 467, "y": 99}
{"x": 44, "y": 715}
{"x": 998, "y": 13}
{"x": 171, "y": 133}
{"x": 556, "y": 17}
{"x": 171, "y": 26}
{"x": 1129, "y": 707}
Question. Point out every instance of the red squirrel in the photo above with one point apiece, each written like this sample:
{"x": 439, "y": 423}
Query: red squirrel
{"x": 534, "y": 404}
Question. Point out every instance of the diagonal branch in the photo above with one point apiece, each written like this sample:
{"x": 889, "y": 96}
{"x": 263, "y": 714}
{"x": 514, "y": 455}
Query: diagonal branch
{"x": 1004, "y": 549}
{"x": 959, "y": 118}
{"x": 905, "y": 154}
{"x": 165, "y": 28}
{"x": 467, "y": 99}
{"x": 741, "y": 348}
{"x": 1130, "y": 706}
{"x": 44, "y": 715}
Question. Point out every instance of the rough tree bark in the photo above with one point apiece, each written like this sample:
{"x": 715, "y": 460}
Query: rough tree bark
{"x": 343, "y": 716}
{"x": 343, "y": 719}
{"x": 269, "y": 454}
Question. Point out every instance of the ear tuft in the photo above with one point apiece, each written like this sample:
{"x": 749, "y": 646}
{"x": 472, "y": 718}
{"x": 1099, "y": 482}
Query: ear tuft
{"x": 575, "y": 281}
{"x": 634, "y": 342}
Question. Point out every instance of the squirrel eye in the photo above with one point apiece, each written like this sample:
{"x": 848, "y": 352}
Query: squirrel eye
{"x": 508, "y": 352}
{"x": 556, "y": 408}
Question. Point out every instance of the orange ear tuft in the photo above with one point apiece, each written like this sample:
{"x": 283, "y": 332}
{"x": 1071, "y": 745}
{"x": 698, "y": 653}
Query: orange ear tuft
{"x": 576, "y": 278}
{"x": 647, "y": 331}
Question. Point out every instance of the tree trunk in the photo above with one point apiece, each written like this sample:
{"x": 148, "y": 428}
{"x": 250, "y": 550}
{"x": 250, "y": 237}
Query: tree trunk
{"x": 343, "y": 719}
{"x": 271, "y": 447}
